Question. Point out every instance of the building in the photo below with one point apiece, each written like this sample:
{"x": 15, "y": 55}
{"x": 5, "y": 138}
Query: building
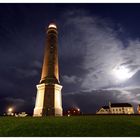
{"x": 103, "y": 110}
{"x": 138, "y": 109}
{"x": 117, "y": 108}
{"x": 121, "y": 108}
{"x": 72, "y": 112}
{"x": 22, "y": 114}
{"x": 48, "y": 98}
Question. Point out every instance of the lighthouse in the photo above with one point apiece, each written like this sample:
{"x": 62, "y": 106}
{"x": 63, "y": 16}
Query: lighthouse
{"x": 49, "y": 98}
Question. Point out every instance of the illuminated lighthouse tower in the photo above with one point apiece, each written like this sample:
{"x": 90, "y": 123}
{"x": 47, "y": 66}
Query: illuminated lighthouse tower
{"x": 49, "y": 99}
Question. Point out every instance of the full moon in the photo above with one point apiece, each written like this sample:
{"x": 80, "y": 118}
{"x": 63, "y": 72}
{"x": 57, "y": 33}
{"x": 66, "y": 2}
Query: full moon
{"x": 122, "y": 73}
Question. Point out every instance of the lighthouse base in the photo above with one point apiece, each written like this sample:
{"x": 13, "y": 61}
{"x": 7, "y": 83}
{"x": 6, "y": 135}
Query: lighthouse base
{"x": 48, "y": 100}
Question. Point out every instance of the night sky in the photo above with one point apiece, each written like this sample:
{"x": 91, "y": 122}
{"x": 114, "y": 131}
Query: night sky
{"x": 99, "y": 53}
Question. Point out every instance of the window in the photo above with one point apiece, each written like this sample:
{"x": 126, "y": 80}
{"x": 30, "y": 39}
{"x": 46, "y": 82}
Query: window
{"x": 51, "y": 50}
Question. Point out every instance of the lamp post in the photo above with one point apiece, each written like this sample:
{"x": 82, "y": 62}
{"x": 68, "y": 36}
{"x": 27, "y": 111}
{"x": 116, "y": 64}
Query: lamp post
{"x": 10, "y": 111}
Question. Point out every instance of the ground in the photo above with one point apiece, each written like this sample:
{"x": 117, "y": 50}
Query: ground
{"x": 81, "y": 126}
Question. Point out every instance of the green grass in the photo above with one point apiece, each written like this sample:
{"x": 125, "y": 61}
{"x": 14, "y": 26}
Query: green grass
{"x": 81, "y": 126}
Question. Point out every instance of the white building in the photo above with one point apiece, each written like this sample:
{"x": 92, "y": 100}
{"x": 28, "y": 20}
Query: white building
{"x": 22, "y": 114}
{"x": 116, "y": 108}
{"x": 103, "y": 110}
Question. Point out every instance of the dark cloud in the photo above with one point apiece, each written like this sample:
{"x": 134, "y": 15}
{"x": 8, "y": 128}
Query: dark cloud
{"x": 98, "y": 44}
{"x": 71, "y": 79}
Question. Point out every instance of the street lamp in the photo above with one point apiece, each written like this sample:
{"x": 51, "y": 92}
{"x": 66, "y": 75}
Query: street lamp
{"x": 10, "y": 111}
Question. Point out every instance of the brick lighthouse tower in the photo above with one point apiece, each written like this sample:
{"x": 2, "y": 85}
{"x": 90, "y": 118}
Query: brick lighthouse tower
{"x": 49, "y": 99}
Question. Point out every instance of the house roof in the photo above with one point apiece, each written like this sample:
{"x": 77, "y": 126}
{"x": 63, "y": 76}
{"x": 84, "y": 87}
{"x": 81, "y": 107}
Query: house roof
{"x": 105, "y": 107}
{"x": 121, "y": 105}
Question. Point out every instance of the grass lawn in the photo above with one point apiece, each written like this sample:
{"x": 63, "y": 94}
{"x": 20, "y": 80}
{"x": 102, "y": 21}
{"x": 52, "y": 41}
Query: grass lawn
{"x": 81, "y": 126}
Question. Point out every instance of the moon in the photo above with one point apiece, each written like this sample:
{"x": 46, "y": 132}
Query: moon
{"x": 122, "y": 73}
